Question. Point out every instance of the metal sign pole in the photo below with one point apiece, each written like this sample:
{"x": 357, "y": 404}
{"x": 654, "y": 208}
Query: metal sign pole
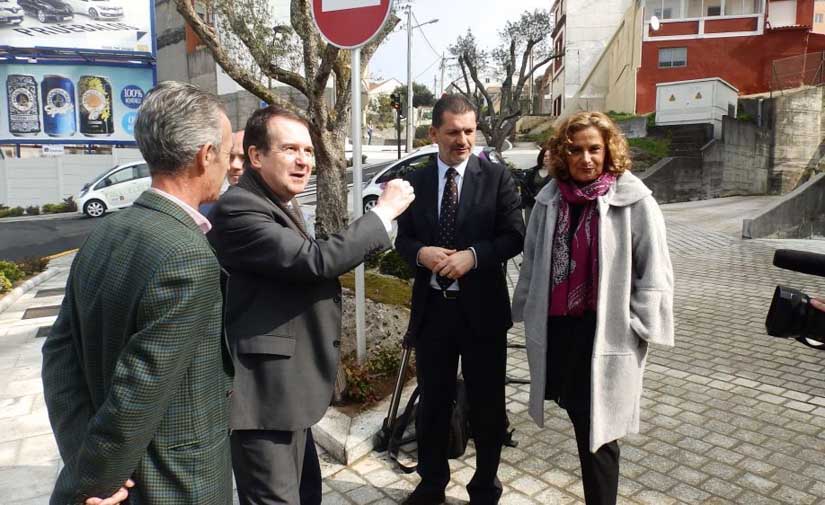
{"x": 357, "y": 205}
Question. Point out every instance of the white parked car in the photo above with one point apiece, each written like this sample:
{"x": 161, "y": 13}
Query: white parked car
{"x": 115, "y": 188}
{"x": 97, "y": 9}
{"x": 10, "y": 13}
{"x": 419, "y": 158}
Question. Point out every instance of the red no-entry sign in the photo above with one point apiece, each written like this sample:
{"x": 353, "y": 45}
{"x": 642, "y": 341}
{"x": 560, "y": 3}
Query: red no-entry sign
{"x": 350, "y": 23}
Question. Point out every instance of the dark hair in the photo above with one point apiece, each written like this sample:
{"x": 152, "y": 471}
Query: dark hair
{"x": 456, "y": 104}
{"x": 540, "y": 157}
{"x": 256, "y": 132}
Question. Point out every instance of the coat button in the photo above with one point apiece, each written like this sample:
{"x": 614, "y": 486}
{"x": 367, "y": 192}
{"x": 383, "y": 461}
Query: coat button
{"x": 336, "y": 299}
{"x": 336, "y": 343}
{"x": 229, "y": 393}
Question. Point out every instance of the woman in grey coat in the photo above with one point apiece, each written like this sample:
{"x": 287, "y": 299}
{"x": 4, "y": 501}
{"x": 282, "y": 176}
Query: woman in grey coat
{"x": 595, "y": 288}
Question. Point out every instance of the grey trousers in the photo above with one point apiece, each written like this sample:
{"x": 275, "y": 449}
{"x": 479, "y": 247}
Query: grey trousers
{"x": 276, "y": 467}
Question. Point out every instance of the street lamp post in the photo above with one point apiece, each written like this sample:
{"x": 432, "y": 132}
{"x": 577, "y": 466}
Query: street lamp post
{"x": 409, "y": 124}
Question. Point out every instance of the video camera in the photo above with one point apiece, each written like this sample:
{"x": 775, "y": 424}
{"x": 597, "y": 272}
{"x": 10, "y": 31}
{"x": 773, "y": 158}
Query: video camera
{"x": 791, "y": 314}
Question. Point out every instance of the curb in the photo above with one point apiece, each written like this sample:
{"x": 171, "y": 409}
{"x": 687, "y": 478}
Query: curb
{"x": 347, "y": 439}
{"x": 27, "y": 286}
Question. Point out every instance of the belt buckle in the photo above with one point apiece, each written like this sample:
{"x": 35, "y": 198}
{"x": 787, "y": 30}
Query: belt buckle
{"x": 449, "y": 295}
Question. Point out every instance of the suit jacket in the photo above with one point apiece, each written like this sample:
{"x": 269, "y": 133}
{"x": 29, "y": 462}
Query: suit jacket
{"x": 133, "y": 371}
{"x": 283, "y": 305}
{"x": 489, "y": 220}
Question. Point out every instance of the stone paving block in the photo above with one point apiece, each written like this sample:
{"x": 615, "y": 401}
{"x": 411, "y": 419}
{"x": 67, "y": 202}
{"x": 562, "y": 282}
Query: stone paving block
{"x": 554, "y": 496}
{"x": 528, "y": 485}
{"x": 722, "y": 488}
{"x": 651, "y": 497}
{"x": 657, "y": 481}
{"x": 756, "y": 483}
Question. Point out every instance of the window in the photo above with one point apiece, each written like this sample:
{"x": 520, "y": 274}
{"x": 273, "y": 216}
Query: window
{"x": 818, "y": 18}
{"x": 141, "y": 171}
{"x": 402, "y": 169}
{"x": 670, "y": 57}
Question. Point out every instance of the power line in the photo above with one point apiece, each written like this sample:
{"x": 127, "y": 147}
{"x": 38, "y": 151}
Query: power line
{"x": 426, "y": 69}
{"x": 425, "y": 36}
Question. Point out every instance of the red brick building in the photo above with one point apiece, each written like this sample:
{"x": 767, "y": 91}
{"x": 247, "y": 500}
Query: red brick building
{"x": 737, "y": 40}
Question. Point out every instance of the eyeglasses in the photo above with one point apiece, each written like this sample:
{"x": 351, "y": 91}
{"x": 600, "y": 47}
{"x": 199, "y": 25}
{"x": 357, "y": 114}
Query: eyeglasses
{"x": 294, "y": 152}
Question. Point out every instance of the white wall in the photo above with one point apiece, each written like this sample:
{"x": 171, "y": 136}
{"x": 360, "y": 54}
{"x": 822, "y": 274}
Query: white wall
{"x": 37, "y": 181}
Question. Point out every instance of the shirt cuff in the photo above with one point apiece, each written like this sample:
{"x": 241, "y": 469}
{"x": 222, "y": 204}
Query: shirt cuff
{"x": 475, "y": 257}
{"x": 385, "y": 219}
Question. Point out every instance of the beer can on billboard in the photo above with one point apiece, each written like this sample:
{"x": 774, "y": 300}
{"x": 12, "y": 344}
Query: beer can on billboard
{"x": 95, "y": 100}
{"x": 58, "y": 106}
{"x": 24, "y": 107}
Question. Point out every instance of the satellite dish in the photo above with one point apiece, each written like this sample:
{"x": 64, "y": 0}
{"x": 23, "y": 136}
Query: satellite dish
{"x": 654, "y": 23}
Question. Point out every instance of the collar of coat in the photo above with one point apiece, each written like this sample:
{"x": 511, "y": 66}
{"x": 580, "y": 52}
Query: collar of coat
{"x": 628, "y": 190}
{"x": 156, "y": 202}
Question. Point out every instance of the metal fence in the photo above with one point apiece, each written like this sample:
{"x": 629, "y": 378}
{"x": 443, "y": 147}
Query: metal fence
{"x": 798, "y": 71}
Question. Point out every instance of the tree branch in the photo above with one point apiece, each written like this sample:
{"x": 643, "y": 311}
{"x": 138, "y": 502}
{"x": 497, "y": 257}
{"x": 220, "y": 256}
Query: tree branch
{"x": 209, "y": 37}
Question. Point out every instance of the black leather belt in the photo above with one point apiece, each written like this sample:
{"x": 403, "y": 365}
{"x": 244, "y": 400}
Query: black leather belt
{"x": 448, "y": 294}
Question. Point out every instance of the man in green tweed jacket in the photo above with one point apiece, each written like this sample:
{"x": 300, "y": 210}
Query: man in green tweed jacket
{"x": 134, "y": 374}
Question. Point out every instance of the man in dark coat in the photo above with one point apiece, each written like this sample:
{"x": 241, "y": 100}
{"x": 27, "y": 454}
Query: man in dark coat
{"x": 463, "y": 226}
{"x": 283, "y": 307}
{"x": 133, "y": 371}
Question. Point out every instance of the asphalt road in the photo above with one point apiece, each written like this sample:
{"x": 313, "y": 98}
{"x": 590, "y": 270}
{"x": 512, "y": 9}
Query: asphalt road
{"x": 43, "y": 237}
{"x": 47, "y": 235}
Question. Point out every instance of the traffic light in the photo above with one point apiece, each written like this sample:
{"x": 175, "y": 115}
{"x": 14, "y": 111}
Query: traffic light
{"x": 395, "y": 101}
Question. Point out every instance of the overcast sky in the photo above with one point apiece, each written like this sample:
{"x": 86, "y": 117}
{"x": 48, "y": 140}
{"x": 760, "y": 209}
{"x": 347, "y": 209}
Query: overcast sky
{"x": 485, "y": 17}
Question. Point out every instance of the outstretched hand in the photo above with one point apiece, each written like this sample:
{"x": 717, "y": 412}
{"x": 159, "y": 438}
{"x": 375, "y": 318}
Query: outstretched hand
{"x": 396, "y": 197}
{"x": 818, "y": 303}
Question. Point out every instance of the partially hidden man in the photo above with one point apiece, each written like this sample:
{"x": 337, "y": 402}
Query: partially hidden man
{"x": 283, "y": 307}
{"x": 464, "y": 225}
{"x": 133, "y": 371}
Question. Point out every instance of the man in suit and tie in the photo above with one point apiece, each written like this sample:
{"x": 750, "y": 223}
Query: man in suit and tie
{"x": 134, "y": 375}
{"x": 283, "y": 307}
{"x": 463, "y": 226}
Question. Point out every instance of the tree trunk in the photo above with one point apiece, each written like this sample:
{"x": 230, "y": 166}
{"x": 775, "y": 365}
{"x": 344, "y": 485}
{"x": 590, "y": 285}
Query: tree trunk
{"x": 330, "y": 162}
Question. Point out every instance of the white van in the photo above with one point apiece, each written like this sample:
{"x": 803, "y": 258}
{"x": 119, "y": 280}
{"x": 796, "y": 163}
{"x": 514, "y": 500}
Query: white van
{"x": 115, "y": 188}
{"x": 97, "y": 9}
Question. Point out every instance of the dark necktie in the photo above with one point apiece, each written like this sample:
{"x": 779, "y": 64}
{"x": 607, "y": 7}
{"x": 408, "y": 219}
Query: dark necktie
{"x": 446, "y": 220}
{"x": 293, "y": 208}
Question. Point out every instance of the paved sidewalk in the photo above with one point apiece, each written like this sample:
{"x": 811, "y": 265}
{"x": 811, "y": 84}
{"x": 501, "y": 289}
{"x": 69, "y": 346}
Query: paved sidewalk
{"x": 729, "y": 415}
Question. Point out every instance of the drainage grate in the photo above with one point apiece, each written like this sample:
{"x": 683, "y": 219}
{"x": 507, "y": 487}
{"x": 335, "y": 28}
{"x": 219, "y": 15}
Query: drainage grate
{"x": 50, "y": 292}
{"x": 43, "y": 332}
{"x": 35, "y": 312}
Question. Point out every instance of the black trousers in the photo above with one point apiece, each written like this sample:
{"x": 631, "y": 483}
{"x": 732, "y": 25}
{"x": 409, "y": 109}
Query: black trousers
{"x": 600, "y": 470}
{"x": 444, "y": 337}
{"x": 276, "y": 467}
{"x": 569, "y": 353}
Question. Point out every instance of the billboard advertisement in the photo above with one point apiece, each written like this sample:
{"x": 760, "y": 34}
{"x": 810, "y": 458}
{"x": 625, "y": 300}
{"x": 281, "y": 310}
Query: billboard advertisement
{"x": 71, "y": 104}
{"x": 102, "y": 26}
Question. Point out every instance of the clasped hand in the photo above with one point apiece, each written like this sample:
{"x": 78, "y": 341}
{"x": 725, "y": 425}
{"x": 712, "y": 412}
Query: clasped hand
{"x": 446, "y": 262}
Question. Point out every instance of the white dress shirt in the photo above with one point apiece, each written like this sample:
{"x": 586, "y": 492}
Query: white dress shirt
{"x": 203, "y": 224}
{"x": 442, "y": 179}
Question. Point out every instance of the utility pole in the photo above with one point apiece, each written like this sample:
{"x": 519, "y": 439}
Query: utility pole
{"x": 409, "y": 80}
{"x": 442, "y": 77}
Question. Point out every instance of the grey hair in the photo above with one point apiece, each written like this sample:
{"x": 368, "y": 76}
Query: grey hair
{"x": 173, "y": 122}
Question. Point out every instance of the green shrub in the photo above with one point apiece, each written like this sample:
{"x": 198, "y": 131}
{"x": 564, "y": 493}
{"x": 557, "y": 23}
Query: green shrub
{"x": 620, "y": 116}
{"x": 423, "y": 132}
{"x": 11, "y": 212}
{"x": 32, "y": 265}
{"x": 541, "y": 137}
{"x": 362, "y": 380}
{"x": 52, "y": 208}
{"x": 657, "y": 148}
{"x": 421, "y": 143}
{"x": 651, "y": 120}
{"x": 33, "y": 210}
{"x": 11, "y": 271}
{"x": 393, "y": 264}
{"x": 745, "y": 117}
{"x": 5, "y": 284}
{"x": 69, "y": 204}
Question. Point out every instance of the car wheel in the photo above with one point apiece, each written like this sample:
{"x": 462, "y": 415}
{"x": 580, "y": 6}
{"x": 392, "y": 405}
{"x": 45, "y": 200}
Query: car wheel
{"x": 369, "y": 203}
{"x": 94, "y": 208}
{"x": 41, "y": 16}
{"x": 93, "y": 13}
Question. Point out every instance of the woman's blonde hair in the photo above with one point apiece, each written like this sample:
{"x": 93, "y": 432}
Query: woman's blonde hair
{"x": 617, "y": 158}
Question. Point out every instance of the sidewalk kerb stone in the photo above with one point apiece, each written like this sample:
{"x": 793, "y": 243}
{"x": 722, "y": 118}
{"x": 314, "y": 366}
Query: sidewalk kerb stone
{"x": 27, "y": 286}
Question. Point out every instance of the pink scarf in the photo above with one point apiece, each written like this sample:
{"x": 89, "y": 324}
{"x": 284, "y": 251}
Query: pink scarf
{"x": 574, "y": 269}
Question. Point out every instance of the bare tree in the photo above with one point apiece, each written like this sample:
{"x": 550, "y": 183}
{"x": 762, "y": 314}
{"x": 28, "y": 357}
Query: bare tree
{"x": 511, "y": 62}
{"x": 251, "y": 50}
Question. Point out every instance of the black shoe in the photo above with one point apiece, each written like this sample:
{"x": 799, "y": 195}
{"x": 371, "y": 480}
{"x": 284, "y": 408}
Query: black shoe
{"x": 423, "y": 498}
